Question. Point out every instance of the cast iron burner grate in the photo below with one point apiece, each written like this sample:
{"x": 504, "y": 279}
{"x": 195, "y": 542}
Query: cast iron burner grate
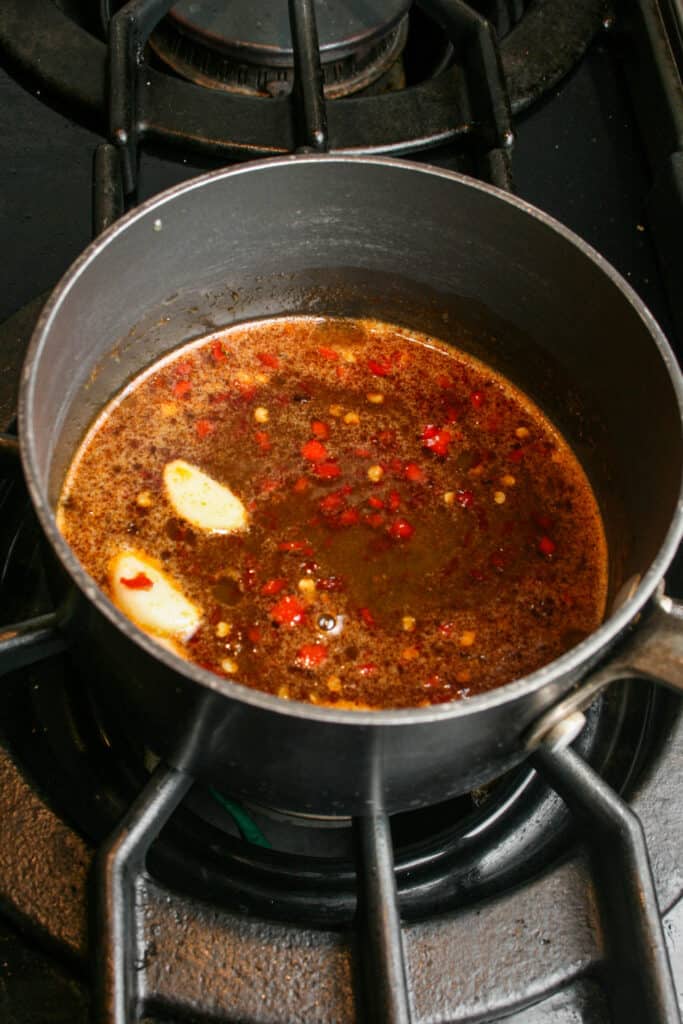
{"x": 59, "y": 731}
{"x": 458, "y": 100}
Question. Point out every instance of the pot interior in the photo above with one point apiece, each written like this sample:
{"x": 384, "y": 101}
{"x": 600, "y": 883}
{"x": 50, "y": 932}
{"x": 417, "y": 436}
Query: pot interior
{"x": 394, "y": 241}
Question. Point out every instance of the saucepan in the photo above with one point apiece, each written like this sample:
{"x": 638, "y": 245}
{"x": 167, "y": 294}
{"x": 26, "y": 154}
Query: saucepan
{"x": 414, "y": 245}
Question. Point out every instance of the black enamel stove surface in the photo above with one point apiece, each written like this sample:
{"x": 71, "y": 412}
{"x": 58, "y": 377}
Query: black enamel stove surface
{"x": 247, "y": 915}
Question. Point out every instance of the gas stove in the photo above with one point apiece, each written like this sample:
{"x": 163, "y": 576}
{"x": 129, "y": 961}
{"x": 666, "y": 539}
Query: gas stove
{"x": 511, "y": 902}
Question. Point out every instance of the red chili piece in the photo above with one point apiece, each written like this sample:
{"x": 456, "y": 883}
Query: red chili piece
{"x": 546, "y": 546}
{"x": 328, "y": 353}
{"x": 253, "y": 634}
{"x": 393, "y": 501}
{"x": 218, "y": 352}
{"x": 266, "y": 359}
{"x": 349, "y": 517}
{"x": 367, "y": 617}
{"x": 414, "y": 473}
{"x": 332, "y": 504}
{"x": 401, "y": 529}
{"x": 301, "y": 485}
{"x": 367, "y": 668}
{"x": 139, "y": 582}
{"x": 204, "y": 428}
{"x": 436, "y": 439}
{"x": 375, "y": 502}
{"x": 314, "y": 451}
{"x": 464, "y": 498}
{"x": 295, "y": 545}
{"x": 288, "y": 611}
{"x": 375, "y": 520}
{"x": 311, "y": 656}
{"x": 182, "y": 388}
{"x": 379, "y": 368}
{"x": 327, "y": 470}
{"x": 320, "y": 430}
{"x": 263, "y": 440}
{"x": 477, "y": 399}
{"x": 272, "y": 587}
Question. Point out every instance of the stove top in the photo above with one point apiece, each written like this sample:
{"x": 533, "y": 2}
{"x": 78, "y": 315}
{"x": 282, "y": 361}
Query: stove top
{"x": 506, "y": 899}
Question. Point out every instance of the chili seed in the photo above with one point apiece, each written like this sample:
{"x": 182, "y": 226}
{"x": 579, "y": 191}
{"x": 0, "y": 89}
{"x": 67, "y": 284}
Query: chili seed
{"x": 230, "y": 666}
{"x": 467, "y": 638}
{"x": 144, "y": 499}
{"x": 521, "y": 432}
{"x": 376, "y": 398}
{"x": 375, "y": 474}
{"x": 410, "y": 653}
{"x": 333, "y": 684}
{"x": 223, "y": 629}
{"x": 261, "y": 414}
{"x": 508, "y": 480}
{"x": 352, "y": 417}
{"x": 307, "y": 587}
{"x": 499, "y": 497}
{"x": 408, "y": 623}
{"x": 449, "y": 498}
{"x": 336, "y": 410}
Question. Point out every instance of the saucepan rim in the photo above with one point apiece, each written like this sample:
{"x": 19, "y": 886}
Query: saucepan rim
{"x": 568, "y": 666}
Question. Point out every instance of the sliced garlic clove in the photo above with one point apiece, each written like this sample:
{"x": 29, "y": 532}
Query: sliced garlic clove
{"x": 148, "y": 596}
{"x": 202, "y": 501}
{"x": 171, "y": 645}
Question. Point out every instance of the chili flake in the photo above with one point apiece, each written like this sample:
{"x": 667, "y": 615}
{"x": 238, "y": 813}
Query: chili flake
{"x": 138, "y": 582}
{"x": 320, "y": 430}
{"x": 182, "y": 388}
{"x": 379, "y": 368}
{"x": 288, "y": 611}
{"x": 401, "y": 529}
{"x": 314, "y": 451}
{"x": 267, "y": 359}
{"x": 546, "y": 546}
{"x": 204, "y": 428}
{"x": 272, "y": 587}
{"x": 436, "y": 439}
{"x": 311, "y": 656}
{"x": 327, "y": 470}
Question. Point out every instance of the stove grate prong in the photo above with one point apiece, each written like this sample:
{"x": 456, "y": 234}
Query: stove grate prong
{"x": 383, "y": 966}
{"x": 119, "y": 865}
{"x": 308, "y": 77}
{"x": 639, "y": 982}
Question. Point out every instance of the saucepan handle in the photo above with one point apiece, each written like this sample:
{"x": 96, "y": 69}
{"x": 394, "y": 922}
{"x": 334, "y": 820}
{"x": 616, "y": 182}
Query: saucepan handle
{"x": 652, "y": 650}
{"x": 27, "y": 642}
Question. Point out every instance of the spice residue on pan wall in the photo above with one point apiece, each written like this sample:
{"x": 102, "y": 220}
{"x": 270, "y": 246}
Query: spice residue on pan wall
{"x": 340, "y": 512}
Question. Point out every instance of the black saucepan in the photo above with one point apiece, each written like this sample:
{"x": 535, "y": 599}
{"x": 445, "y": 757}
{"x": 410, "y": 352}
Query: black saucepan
{"x": 414, "y": 245}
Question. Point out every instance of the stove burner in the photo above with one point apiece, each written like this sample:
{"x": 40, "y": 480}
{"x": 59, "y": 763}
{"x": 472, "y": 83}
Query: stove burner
{"x": 247, "y": 48}
{"x": 442, "y": 103}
